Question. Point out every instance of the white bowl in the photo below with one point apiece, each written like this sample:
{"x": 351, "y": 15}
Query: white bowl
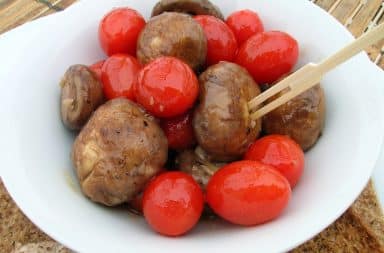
{"x": 35, "y": 147}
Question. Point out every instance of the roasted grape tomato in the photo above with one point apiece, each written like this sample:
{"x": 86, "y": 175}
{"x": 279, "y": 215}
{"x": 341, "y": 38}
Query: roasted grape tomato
{"x": 221, "y": 42}
{"x": 248, "y": 193}
{"x": 119, "y": 30}
{"x": 167, "y": 87}
{"x": 244, "y": 24}
{"x": 268, "y": 55}
{"x": 282, "y": 153}
{"x": 173, "y": 203}
{"x": 119, "y": 74}
{"x": 179, "y": 131}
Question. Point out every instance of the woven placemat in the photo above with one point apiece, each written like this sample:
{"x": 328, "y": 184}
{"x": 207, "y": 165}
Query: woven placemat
{"x": 359, "y": 229}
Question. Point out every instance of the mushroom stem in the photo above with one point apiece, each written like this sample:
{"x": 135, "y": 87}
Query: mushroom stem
{"x": 68, "y": 102}
{"x": 208, "y": 167}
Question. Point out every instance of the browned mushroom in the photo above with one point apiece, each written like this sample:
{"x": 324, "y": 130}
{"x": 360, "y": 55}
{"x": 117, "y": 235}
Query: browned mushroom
{"x": 118, "y": 151}
{"x": 222, "y": 122}
{"x": 81, "y": 94}
{"x": 173, "y": 34}
{"x": 197, "y": 164}
{"x": 301, "y": 118}
{"x": 193, "y": 7}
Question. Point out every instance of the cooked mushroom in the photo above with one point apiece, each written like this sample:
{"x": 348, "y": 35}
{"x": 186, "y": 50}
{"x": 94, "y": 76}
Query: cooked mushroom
{"x": 301, "y": 118}
{"x": 221, "y": 121}
{"x": 173, "y": 34}
{"x": 118, "y": 151}
{"x": 81, "y": 94}
{"x": 197, "y": 164}
{"x": 193, "y": 7}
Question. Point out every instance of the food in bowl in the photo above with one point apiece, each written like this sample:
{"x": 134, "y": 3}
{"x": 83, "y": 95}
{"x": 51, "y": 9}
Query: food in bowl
{"x": 222, "y": 122}
{"x": 120, "y": 153}
{"x": 173, "y": 34}
{"x": 192, "y": 7}
{"x": 81, "y": 94}
{"x": 302, "y": 118}
{"x": 221, "y": 41}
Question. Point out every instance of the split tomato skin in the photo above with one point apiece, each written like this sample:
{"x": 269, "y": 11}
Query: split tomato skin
{"x": 221, "y": 42}
{"x": 282, "y": 153}
{"x": 119, "y": 30}
{"x": 244, "y": 24}
{"x": 248, "y": 193}
{"x": 167, "y": 87}
{"x": 268, "y": 55}
{"x": 173, "y": 203}
{"x": 119, "y": 75}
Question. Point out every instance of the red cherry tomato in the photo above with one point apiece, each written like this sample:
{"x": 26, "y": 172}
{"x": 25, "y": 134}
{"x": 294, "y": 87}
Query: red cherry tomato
{"x": 248, "y": 193}
{"x": 96, "y": 68}
{"x": 119, "y": 74}
{"x": 244, "y": 24}
{"x": 167, "y": 87}
{"x": 282, "y": 153}
{"x": 179, "y": 131}
{"x": 268, "y": 55}
{"x": 221, "y": 41}
{"x": 119, "y": 30}
{"x": 173, "y": 203}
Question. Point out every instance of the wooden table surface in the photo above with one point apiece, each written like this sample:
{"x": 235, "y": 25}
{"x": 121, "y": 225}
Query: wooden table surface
{"x": 16, "y": 230}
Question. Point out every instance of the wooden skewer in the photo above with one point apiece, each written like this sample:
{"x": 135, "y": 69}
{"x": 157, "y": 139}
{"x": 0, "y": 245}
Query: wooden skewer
{"x": 311, "y": 74}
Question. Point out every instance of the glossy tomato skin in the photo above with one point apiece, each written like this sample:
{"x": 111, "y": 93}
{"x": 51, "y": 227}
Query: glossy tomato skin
{"x": 179, "y": 131}
{"x": 248, "y": 193}
{"x": 244, "y": 24}
{"x": 119, "y": 30}
{"x": 221, "y": 42}
{"x": 268, "y": 55}
{"x": 119, "y": 75}
{"x": 97, "y": 68}
{"x": 282, "y": 153}
{"x": 167, "y": 87}
{"x": 173, "y": 203}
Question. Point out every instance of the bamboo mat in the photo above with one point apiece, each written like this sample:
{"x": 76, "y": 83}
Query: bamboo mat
{"x": 18, "y": 234}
